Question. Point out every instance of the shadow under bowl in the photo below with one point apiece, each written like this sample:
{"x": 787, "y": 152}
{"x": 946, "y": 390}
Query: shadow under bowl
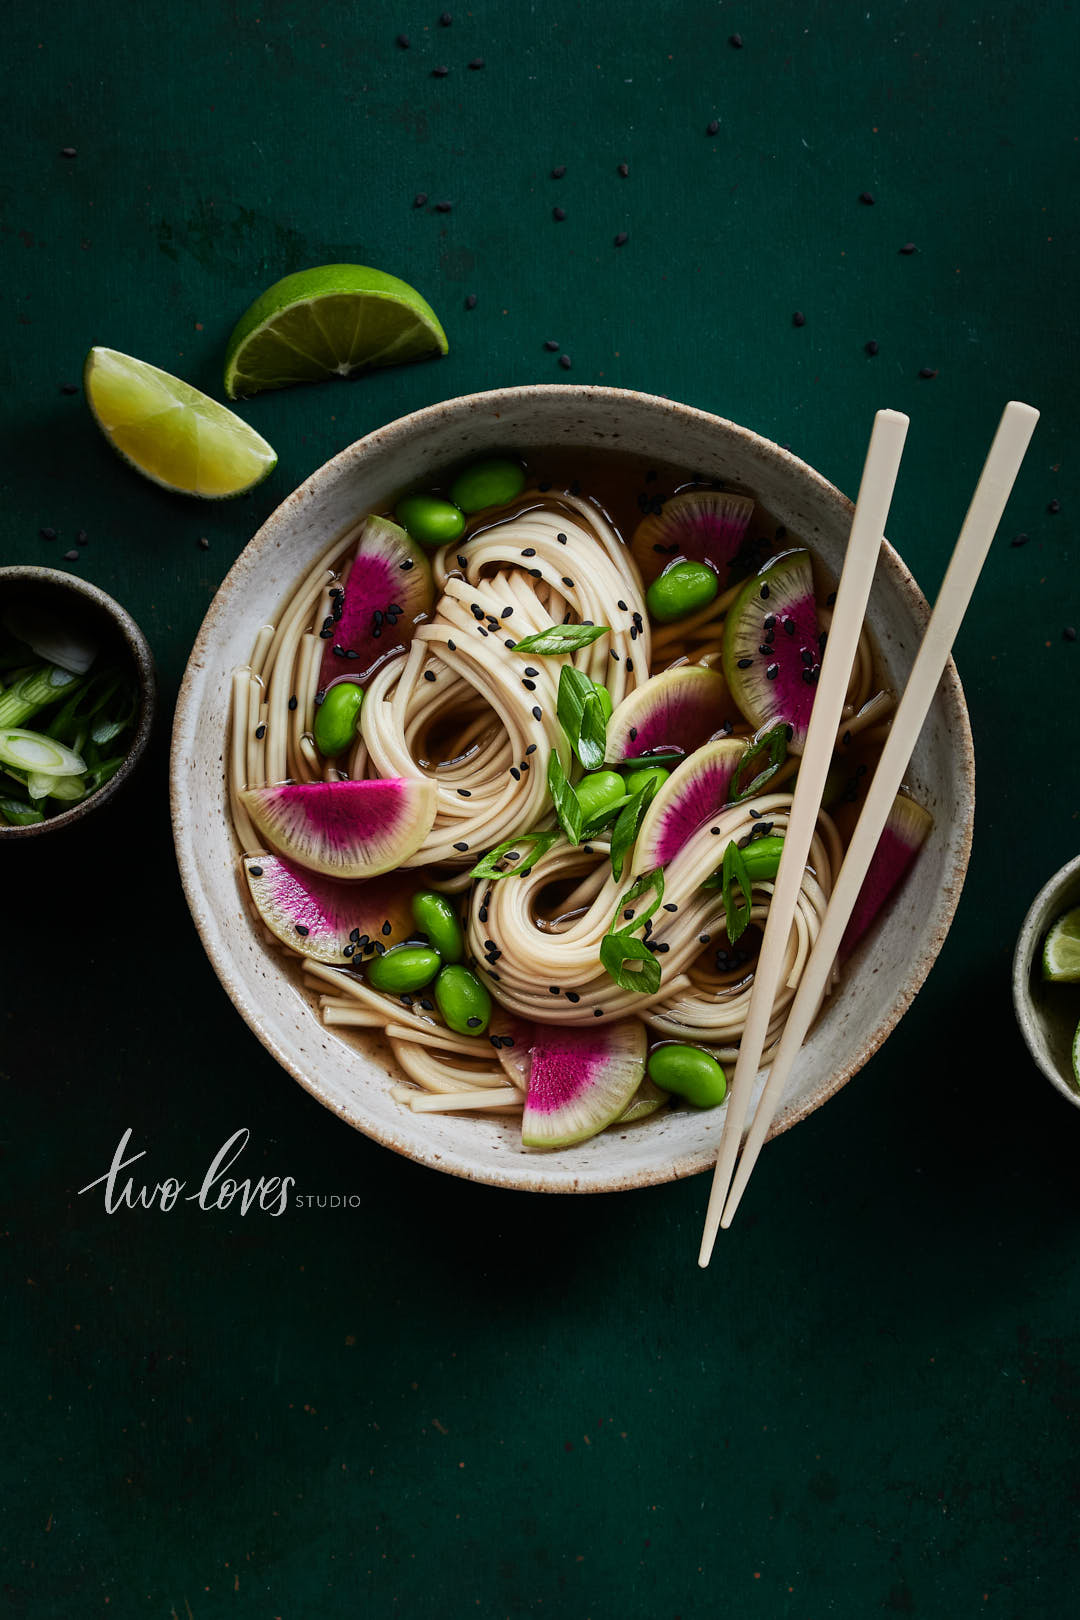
{"x": 72, "y": 600}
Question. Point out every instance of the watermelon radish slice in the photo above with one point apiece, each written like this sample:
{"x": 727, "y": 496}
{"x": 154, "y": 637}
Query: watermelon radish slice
{"x": 772, "y": 652}
{"x": 580, "y": 1079}
{"x": 345, "y": 829}
{"x": 702, "y": 525}
{"x": 388, "y": 588}
{"x": 325, "y": 917}
{"x": 675, "y": 711}
{"x": 902, "y": 836}
{"x": 694, "y": 792}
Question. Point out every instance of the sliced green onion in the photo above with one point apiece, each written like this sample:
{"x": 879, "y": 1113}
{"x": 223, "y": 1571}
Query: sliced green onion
{"x": 618, "y": 949}
{"x": 735, "y": 874}
{"x": 17, "y": 814}
{"x": 31, "y": 751}
{"x": 629, "y": 825}
{"x": 581, "y": 715}
{"x": 561, "y": 638}
{"x": 654, "y": 881}
{"x": 509, "y": 851}
{"x": 772, "y": 743}
{"x": 566, "y": 802}
{"x": 38, "y": 687}
{"x": 67, "y": 788}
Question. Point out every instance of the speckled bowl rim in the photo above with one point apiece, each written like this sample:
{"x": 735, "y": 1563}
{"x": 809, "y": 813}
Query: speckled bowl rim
{"x": 141, "y": 657}
{"x": 1039, "y": 915}
{"x": 381, "y": 438}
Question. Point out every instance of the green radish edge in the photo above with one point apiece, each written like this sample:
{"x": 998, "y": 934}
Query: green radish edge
{"x": 696, "y": 790}
{"x": 756, "y": 636}
{"x": 679, "y": 709}
{"x": 345, "y": 829}
{"x": 581, "y": 1079}
{"x": 903, "y": 835}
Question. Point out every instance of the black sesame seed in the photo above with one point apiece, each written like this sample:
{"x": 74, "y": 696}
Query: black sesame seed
{"x": 846, "y": 738}
{"x": 349, "y": 949}
{"x": 908, "y": 247}
{"x": 429, "y": 674}
{"x": 669, "y": 905}
{"x": 871, "y": 348}
{"x": 550, "y": 345}
{"x": 565, "y": 361}
{"x": 406, "y": 565}
{"x": 47, "y": 534}
{"x": 1019, "y": 540}
{"x": 476, "y": 610}
{"x": 534, "y": 573}
{"x": 789, "y": 626}
{"x": 260, "y": 733}
{"x": 765, "y": 594}
{"x": 703, "y": 939}
{"x": 464, "y": 793}
{"x": 402, "y": 41}
{"x": 300, "y": 929}
{"x": 713, "y": 127}
{"x": 772, "y": 672}
{"x": 622, "y": 238}
{"x": 927, "y": 372}
{"x": 807, "y": 656}
{"x": 866, "y": 198}
{"x": 476, "y": 63}
{"x": 561, "y": 538}
{"x": 558, "y": 214}
{"x": 830, "y": 600}
{"x": 661, "y": 948}
{"x": 530, "y": 686}
{"x": 538, "y": 713}
{"x": 798, "y": 319}
{"x": 256, "y": 871}
{"x": 735, "y": 42}
{"x": 439, "y": 72}
{"x": 470, "y": 302}
{"x": 1053, "y": 506}
{"x": 568, "y": 581}
{"x": 71, "y": 556}
{"x": 629, "y": 666}
{"x": 474, "y": 1023}
{"x": 462, "y": 847}
{"x": 572, "y": 995}
{"x": 83, "y": 539}
{"x": 443, "y": 207}
{"x": 715, "y": 831}
{"x": 292, "y": 703}
{"x": 623, "y": 169}
{"x": 420, "y": 199}
{"x": 744, "y": 663}
{"x": 510, "y": 644}
{"x": 1069, "y": 633}
{"x": 531, "y": 748}
{"x": 386, "y": 929}
{"x": 68, "y": 152}
{"x": 558, "y": 172}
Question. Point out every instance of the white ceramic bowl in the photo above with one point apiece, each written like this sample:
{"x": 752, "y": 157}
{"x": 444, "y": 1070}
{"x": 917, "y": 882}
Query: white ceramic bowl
{"x": 883, "y": 977}
{"x": 1048, "y": 1013}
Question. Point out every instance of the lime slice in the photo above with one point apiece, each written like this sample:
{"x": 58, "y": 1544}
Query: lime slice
{"x": 182, "y": 439}
{"x": 1061, "y": 953}
{"x": 329, "y": 322}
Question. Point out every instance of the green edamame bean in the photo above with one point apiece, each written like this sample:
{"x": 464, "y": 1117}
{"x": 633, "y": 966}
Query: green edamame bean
{"x": 435, "y": 916}
{"x": 689, "y": 1072}
{"x": 605, "y": 700}
{"x": 650, "y": 773}
{"x": 430, "y": 519}
{"x": 336, "y": 718}
{"x": 491, "y": 482}
{"x": 404, "y": 968}
{"x": 681, "y": 590}
{"x": 599, "y": 791}
{"x": 462, "y": 1000}
{"x": 762, "y": 858}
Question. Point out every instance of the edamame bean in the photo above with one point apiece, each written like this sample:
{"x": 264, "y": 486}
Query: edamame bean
{"x": 462, "y": 1000}
{"x": 492, "y": 482}
{"x": 436, "y": 917}
{"x": 430, "y": 519}
{"x": 404, "y": 968}
{"x": 651, "y": 773}
{"x": 681, "y": 590}
{"x": 762, "y": 858}
{"x": 336, "y": 718}
{"x": 599, "y": 791}
{"x": 690, "y": 1072}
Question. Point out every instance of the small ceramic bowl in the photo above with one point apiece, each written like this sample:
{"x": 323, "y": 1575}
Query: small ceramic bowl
{"x": 881, "y": 979}
{"x": 62, "y": 594}
{"x": 1048, "y": 1013}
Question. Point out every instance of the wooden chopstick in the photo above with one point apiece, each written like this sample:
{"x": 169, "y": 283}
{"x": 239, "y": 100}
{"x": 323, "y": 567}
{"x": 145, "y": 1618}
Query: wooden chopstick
{"x": 980, "y": 525}
{"x": 860, "y": 559}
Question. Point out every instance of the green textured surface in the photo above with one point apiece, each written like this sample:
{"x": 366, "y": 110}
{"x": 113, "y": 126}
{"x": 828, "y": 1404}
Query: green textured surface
{"x": 451, "y": 1401}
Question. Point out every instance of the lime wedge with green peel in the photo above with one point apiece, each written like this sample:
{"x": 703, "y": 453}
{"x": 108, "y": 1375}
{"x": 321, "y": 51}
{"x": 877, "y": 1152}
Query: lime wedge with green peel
{"x": 1061, "y": 952}
{"x": 179, "y": 437}
{"x": 332, "y": 321}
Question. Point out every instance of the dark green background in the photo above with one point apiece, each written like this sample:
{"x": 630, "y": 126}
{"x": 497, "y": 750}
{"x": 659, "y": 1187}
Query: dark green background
{"x": 456, "y": 1401}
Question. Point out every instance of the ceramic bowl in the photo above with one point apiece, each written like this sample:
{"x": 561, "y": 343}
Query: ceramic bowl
{"x": 68, "y": 594}
{"x": 882, "y": 979}
{"x": 1048, "y": 1013}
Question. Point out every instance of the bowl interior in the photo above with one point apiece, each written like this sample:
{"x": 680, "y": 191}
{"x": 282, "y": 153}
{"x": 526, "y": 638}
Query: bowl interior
{"x": 880, "y": 980}
{"x": 87, "y": 612}
{"x": 1048, "y": 1014}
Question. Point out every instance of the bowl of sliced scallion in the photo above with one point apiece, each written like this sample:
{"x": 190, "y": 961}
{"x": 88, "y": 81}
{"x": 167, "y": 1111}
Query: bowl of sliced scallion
{"x": 77, "y": 699}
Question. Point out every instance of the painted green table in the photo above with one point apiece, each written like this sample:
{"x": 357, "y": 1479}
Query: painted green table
{"x": 446, "y": 1400}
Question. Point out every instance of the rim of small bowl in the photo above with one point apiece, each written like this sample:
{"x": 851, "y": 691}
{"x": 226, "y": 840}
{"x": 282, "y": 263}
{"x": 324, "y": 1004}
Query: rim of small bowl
{"x": 403, "y": 427}
{"x": 143, "y": 660}
{"x": 1040, "y": 914}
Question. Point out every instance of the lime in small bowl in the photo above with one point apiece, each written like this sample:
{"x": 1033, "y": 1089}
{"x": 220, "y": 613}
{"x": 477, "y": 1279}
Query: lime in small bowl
{"x": 1048, "y": 1009}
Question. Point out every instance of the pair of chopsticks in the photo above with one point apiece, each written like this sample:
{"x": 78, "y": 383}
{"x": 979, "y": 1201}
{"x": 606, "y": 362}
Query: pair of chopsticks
{"x": 864, "y": 543}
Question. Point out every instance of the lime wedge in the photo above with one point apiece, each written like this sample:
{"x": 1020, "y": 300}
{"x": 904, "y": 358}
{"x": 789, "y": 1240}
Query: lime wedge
{"x": 1061, "y": 953}
{"x": 331, "y": 321}
{"x": 179, "y": 437}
